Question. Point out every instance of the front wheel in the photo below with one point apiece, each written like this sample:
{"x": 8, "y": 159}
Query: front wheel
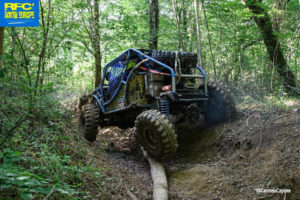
{"x": 89, "y": 122}
{"x": 156, "y": 134}
{"x": 220, "y": 106}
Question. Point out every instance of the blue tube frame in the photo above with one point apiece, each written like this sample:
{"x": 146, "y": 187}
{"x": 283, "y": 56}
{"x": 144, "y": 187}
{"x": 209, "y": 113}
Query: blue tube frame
{"x": 202, "y": 71}
{"x": 97, "y": 95}
{"x": 204, "y": 77}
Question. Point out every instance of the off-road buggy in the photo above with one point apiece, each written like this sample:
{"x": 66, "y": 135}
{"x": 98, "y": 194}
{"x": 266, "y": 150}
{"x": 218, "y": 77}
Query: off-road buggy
{"x": 153, "y": 91}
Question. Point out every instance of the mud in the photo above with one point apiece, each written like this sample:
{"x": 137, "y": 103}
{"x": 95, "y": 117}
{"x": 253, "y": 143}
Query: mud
{"x": 228, "y": 161}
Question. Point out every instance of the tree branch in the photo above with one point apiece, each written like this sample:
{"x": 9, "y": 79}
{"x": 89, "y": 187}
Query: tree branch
{"x": 250, "y": 44}
{"x": 25, "y": 57}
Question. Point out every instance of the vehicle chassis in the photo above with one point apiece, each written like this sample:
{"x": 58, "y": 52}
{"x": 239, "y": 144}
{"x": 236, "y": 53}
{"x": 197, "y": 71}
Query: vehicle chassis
{"x": 163, "y": 100}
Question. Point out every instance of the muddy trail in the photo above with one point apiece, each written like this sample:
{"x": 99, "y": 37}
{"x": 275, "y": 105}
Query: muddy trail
{"x": 227, "y": 161}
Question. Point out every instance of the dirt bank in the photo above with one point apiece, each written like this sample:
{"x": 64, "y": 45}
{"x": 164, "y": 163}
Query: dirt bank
{"x": 259, "y": 150}
{"x": 228, "y": 161}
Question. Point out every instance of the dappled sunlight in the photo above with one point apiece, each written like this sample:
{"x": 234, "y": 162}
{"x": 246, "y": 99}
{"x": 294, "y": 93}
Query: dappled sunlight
{"x": 283, "y": 102}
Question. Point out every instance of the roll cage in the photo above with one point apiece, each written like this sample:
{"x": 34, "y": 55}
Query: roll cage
{"x": 117, "y": 72}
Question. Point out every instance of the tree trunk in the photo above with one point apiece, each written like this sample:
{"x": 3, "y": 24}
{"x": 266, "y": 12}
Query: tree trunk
{"x": 192, "y": 34}
{"x": 98, "y": 68}
{"x": 25, "y": 63}
{"x": 12, "y": 51}
{"x": 277, "y": 18}
{"x": 96, "y": 39}
{"x": 272, "y": 44}
{"x": 44, "y": 44}
{"x": 153, "y": 23}
{"x": 185, "y": 20}
{"x": 289, "y": 51}
{"x": 208, "y": 36}
{"x": 181, "y": 46}
{"x": 200, "y": 58}
{"x": 1, "y": 45}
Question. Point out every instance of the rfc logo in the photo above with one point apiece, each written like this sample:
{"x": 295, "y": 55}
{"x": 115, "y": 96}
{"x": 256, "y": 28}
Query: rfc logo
{"x": 19, "y": 13}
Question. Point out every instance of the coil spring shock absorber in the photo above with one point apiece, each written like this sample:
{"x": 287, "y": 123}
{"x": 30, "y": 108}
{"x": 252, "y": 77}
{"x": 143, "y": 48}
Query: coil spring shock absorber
{"x": 164, "y": 107}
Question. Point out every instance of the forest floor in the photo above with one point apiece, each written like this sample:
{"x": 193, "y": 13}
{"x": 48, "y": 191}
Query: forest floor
{"x": 259, "y": 149}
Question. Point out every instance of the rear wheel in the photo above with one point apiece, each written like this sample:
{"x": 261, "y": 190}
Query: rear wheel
{"x": 156, "y": 134}
{"x": 220, "y": 106}
{"x": 89, "y": 121}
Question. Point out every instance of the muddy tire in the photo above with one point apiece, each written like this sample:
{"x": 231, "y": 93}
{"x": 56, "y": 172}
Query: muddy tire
{"x": 88, "y": 122}
{"x": 220, "y": 106}
{"x": 156, "y": 134}
{"x": 187, "y": 59}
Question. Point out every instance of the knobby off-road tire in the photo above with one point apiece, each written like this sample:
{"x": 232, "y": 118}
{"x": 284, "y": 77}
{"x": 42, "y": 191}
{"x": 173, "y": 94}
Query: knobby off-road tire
{"x": 187, "y": 59}
{"x": 89, "y": 122}
{"x": 156, "y": 134}
{"x": 220, "y": 106}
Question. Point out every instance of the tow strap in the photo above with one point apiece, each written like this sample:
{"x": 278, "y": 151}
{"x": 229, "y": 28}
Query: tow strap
{"x": 154, "y": 71}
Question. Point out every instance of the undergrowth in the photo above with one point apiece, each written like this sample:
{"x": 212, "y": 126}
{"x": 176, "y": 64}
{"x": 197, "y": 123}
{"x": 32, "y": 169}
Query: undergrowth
{"x": 41, "y": 154}
{"x": 254, "y": 96}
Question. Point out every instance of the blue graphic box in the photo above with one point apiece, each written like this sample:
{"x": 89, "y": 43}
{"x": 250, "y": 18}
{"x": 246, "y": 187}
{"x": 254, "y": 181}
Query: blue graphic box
{"x": 19, "y": 13}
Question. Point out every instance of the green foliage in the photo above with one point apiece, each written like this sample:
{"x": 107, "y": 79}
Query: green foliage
{"x": 236, "y": 43}
{"x": 45, "y": 173}
{"x": 40, "y": 151}
{"x": 36, "y": 158}
{"x": 19, "y": 181}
